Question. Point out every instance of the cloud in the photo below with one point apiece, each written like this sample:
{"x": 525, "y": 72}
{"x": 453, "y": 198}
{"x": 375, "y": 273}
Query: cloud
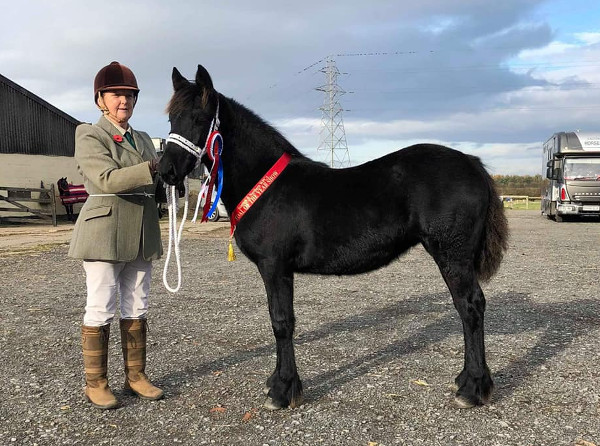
{"x": 588, "y": 38}
{"x": 494, "y": 78}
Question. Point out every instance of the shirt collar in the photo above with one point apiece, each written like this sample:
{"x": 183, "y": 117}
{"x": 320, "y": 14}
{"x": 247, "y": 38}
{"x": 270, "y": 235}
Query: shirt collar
{"x": 121, "y": 129}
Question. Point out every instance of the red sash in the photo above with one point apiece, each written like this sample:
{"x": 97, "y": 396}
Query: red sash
{"x": 260, "y": 187}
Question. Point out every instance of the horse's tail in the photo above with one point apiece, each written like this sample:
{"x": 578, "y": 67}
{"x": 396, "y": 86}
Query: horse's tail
{"x": 495, "y": 234}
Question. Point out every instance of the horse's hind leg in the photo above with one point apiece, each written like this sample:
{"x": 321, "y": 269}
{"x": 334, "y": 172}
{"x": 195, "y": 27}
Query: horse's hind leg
{"x": 474, "y": 383}
{"x": 284, "y": 385}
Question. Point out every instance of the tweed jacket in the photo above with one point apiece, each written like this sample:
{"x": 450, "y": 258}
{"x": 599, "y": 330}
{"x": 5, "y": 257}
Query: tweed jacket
{"x": 117, "y": 219}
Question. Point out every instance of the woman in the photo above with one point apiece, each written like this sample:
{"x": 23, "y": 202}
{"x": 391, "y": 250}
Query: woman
{"x": 117, "y": 234}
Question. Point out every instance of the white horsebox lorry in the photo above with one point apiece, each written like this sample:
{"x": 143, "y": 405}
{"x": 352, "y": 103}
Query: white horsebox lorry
{"x": 572, "y": 169}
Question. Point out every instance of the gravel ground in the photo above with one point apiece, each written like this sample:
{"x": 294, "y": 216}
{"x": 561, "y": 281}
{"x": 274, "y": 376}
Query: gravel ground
{"x": 377, "y": 352}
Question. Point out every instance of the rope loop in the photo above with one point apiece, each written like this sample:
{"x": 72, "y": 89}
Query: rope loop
{"x": 174, "y": 234}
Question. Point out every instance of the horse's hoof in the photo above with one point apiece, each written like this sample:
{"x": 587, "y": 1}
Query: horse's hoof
{"x": 296, "y": 401}
{"x": 270, "y": 404}
{"x": 463, "y": 403}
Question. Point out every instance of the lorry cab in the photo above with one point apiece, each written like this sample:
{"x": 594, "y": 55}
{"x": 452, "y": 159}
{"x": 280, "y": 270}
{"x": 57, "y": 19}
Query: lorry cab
{"x": 571, "y": 163}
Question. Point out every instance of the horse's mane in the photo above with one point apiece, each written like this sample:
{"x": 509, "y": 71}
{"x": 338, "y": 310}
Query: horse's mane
{"x": 267, "y": 132}
{"x": 184, "y": 98}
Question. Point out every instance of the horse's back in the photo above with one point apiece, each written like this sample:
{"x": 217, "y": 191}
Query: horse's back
{"x": 423, "y": 178}
{"x": 439, "y": 168}
{"x": 438, "y": 179}
{"x": 71, "y": 193}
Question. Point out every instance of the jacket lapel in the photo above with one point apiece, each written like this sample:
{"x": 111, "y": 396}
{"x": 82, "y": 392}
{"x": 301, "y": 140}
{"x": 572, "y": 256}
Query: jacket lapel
{"x": 109, "y": 128}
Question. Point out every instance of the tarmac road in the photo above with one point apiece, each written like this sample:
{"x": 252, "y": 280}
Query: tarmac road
{"x": 376, "y": 352}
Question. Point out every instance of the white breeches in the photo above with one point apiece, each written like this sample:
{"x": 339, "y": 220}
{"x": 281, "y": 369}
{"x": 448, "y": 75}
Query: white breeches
{"x": 104, "y": 280}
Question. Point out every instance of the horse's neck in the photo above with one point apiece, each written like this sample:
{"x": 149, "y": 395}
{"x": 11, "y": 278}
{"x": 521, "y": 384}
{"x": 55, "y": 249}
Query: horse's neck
{"x": 252, "y": 147}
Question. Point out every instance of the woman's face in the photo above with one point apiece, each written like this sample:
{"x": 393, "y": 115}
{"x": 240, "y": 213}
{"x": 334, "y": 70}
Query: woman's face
{"x": 119, "y": 104}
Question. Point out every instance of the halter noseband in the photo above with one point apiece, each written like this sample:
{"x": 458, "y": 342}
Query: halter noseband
{"x": 192, "y": 148}
{"x": 186, "y": 144}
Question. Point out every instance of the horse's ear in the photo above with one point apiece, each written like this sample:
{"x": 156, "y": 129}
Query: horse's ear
{"x": 178, "y": 80}
{"x": 203, "y": 78}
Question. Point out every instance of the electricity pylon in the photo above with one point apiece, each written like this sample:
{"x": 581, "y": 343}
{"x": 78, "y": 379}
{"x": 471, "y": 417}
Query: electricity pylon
{"x": 332, "y": 135}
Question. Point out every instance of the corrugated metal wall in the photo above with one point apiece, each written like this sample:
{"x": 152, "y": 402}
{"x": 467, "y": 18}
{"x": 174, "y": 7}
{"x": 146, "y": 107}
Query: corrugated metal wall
{"x": 30, "y": 125}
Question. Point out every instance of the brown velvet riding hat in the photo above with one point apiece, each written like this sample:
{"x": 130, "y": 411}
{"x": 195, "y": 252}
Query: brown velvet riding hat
{"x": 114, "y": 76}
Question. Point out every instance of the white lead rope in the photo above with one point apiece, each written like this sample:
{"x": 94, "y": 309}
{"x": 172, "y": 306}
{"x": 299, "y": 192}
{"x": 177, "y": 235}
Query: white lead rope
{"x": 174, "y": 234}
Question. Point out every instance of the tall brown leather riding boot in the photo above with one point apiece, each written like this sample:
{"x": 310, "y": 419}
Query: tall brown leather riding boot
{"x": 133, "y": 342}
{"x": 95, "y": 362}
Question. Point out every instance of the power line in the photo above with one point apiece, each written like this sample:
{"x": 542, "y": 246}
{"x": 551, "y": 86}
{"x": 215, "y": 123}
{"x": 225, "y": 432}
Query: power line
{"x": 437, "y": 67}
{"x": 502, "y": 89}
{"x": 394, "y": 53}
{"x": 593, "y": 62}
{"x": 491, "y": 109}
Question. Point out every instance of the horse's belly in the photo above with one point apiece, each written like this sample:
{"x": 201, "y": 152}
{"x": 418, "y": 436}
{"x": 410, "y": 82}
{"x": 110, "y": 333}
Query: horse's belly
{"x": 347, "y": 260}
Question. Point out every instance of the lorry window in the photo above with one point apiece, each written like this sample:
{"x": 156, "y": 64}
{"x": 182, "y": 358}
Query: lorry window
{"x": 582, "y": 169}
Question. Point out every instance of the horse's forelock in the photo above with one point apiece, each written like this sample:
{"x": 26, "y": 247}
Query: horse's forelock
{"x": 183, "y": 99}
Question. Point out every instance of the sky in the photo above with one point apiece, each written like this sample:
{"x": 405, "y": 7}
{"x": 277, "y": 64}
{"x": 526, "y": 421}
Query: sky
{"x": 493, "y": 79}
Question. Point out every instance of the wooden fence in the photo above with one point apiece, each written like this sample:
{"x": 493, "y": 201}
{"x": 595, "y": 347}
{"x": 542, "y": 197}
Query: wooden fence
{"x": 16, "y": 196}
{"x": 510, "y": 200}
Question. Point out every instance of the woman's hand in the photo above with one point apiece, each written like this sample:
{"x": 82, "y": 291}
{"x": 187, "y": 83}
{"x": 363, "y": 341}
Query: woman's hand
{"x": 153, "y": 165}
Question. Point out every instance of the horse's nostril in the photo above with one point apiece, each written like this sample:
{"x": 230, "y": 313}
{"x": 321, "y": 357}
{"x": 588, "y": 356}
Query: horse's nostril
{"x": 171, "y": 173}
{"x": 168, "y": 175}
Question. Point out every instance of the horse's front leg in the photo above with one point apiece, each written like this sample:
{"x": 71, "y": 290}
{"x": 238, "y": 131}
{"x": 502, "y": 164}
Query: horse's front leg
{"x": 284, "y": 385}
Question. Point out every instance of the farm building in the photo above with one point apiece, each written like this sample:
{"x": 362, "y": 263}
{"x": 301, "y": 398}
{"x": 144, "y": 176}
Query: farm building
{"x": 37, "y": 144}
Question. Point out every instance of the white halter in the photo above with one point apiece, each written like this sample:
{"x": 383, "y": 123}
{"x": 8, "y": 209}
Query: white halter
{"x": 188, "y": 145}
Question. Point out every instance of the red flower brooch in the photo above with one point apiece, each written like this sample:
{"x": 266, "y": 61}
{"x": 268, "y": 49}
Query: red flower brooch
{"x": 118, "y": 138}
